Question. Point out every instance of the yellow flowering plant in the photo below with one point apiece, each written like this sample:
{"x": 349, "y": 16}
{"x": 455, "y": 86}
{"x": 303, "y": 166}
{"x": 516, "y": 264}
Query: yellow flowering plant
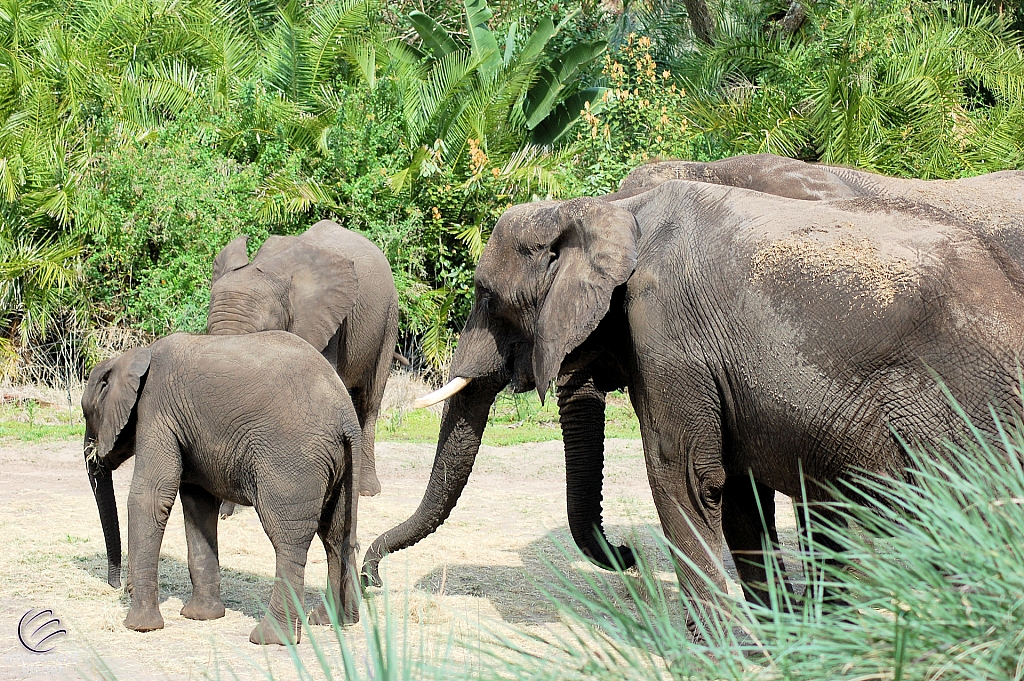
{"x": 639, "y": 118}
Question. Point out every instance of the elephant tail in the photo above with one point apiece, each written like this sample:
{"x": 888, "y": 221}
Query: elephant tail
{"x": 401, "y": 359}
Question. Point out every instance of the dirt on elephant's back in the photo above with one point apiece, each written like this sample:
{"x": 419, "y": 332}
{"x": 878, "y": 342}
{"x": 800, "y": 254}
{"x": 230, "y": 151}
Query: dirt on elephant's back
{"x": 480, "y": 567}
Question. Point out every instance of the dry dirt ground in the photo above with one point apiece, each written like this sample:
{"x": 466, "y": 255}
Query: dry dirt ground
{"x": 481, "y": 568}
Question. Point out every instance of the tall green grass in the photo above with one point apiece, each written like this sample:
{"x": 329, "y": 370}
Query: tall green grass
{"x": 930, "y": 586}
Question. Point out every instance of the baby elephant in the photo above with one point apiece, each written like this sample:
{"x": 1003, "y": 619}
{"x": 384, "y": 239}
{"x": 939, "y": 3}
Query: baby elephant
{"x": 259, "y": 419}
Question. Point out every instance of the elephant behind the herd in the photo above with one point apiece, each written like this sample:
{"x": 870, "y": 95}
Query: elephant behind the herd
{"x": 260, "y": 419}
{"x": 331, "y": 287}
{"x": 757, "y": 335}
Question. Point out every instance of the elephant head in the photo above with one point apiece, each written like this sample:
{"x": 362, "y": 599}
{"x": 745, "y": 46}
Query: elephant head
{"x": 108, "y": 404}
{"x": 291, "y": 285}
{"x": 544, "y": 284}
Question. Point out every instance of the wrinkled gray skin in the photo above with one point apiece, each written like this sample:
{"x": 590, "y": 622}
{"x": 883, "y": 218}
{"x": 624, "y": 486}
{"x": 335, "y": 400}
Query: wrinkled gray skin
{"x": 767, "y": 173}
{"x": 968, "y": 201}
{"x": 329, "y": 286}
{"x": 259, "y": 419}
{"x": 757, "y": 335}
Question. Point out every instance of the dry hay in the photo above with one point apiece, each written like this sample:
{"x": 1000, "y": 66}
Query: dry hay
{"x": 402, "y": 389}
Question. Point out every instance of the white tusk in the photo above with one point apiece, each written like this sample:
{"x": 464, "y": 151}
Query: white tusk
{"x": 442, "y": 394}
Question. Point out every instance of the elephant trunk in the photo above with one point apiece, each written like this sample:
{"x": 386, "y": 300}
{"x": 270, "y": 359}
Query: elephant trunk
{"x": 102, "y": 481}
{"x": 581, "y": 413}
{"x": 462, "y": 427}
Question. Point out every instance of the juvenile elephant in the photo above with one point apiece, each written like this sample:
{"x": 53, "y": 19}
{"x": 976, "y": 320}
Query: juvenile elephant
{"x": 329, "y": 286}
{"x": 757, "y": 335}
{"x": 259, "y": 419}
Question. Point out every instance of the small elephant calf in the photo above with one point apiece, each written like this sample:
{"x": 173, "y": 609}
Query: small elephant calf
{"x": 260, "y": 419}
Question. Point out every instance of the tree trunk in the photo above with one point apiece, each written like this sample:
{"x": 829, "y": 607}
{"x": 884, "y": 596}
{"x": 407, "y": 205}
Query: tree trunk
{"x": 700, "y": 20}
{"x": 794, "y": 18}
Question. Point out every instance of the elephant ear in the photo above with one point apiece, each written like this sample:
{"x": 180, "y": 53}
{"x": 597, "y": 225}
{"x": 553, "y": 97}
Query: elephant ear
{"x": 232, "y": 257}
{"x": 593, "y": 253}
{"x": 272, "y": 246}
{"x": 118, "y": 387}
{"x": 322, "y": 292}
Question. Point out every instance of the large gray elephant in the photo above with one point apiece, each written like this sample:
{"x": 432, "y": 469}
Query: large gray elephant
{"x": 757, "y": 335}
{"x": 260, "y": 419}
{"x": 995, "y": 217}
{"x": 333, "y": 288}
{"x": 767, "y": 173}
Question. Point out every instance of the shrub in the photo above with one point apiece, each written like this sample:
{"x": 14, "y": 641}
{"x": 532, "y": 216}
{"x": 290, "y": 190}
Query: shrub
{"x": 153, "y": 217}
{"x": 641, "y": 117}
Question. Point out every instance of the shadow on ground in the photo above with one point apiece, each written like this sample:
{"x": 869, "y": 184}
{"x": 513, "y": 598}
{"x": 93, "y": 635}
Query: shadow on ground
{"x": 245, "y": 592}
{"x": 526, "y": 594}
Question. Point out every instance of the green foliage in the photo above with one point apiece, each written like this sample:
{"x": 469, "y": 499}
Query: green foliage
{"x": 903, "y": 87}
{"x": 36, "y": 277}
{"x": 153, "y": 217}
{"x": 453, "y": 93}
{"x": 642, "y": 116}
{"x": 32, "y": 422}
{"x": 137, "y": 137}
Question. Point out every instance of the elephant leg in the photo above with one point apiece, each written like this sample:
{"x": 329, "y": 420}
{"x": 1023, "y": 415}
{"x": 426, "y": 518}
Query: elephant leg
{"x": 748, "y": 524}
{"x": 338, "y": 532}
{"x": 227, "y": 508}
{"x": 200, "y": 510}
{"x": 810, "y": 516}
{"x": 154, "y": 487}
{"x": 291, "y": 532}
{"x": 369, "y": 410}
{"x": 681, "y": 425}
{"x": 581, "y": 414}
{"x": 369, "y": 484}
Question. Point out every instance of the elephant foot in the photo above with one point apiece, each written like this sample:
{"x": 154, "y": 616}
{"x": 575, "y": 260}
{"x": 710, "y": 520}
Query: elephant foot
{"x": 268, "y": 632}
{"x": 348, "y": 615}
{"x": 203, "y": 609}
{"x": 144, "y": 619}
{"x": 369, "y": 485}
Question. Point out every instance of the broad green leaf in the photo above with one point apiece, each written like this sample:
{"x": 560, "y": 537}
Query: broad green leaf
{"x": 481, "y": 40}
{"x": 435, "y": 38}
{"x": 538, "y": 40}
{"x": 567, "y": 65}
{"x": 561, "y": 119}
{"x": 541, "y": 97}
{"x": 555, "y": 76}
{"x": 510, "y": 42}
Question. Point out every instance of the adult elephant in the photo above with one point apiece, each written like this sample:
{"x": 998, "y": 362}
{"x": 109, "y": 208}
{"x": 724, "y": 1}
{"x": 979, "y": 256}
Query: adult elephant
{"x": 767, "y": 173}
{"x": 329, "y": 286}
{"x": 995, "y": 216}
{"x": 757, "y": 335}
